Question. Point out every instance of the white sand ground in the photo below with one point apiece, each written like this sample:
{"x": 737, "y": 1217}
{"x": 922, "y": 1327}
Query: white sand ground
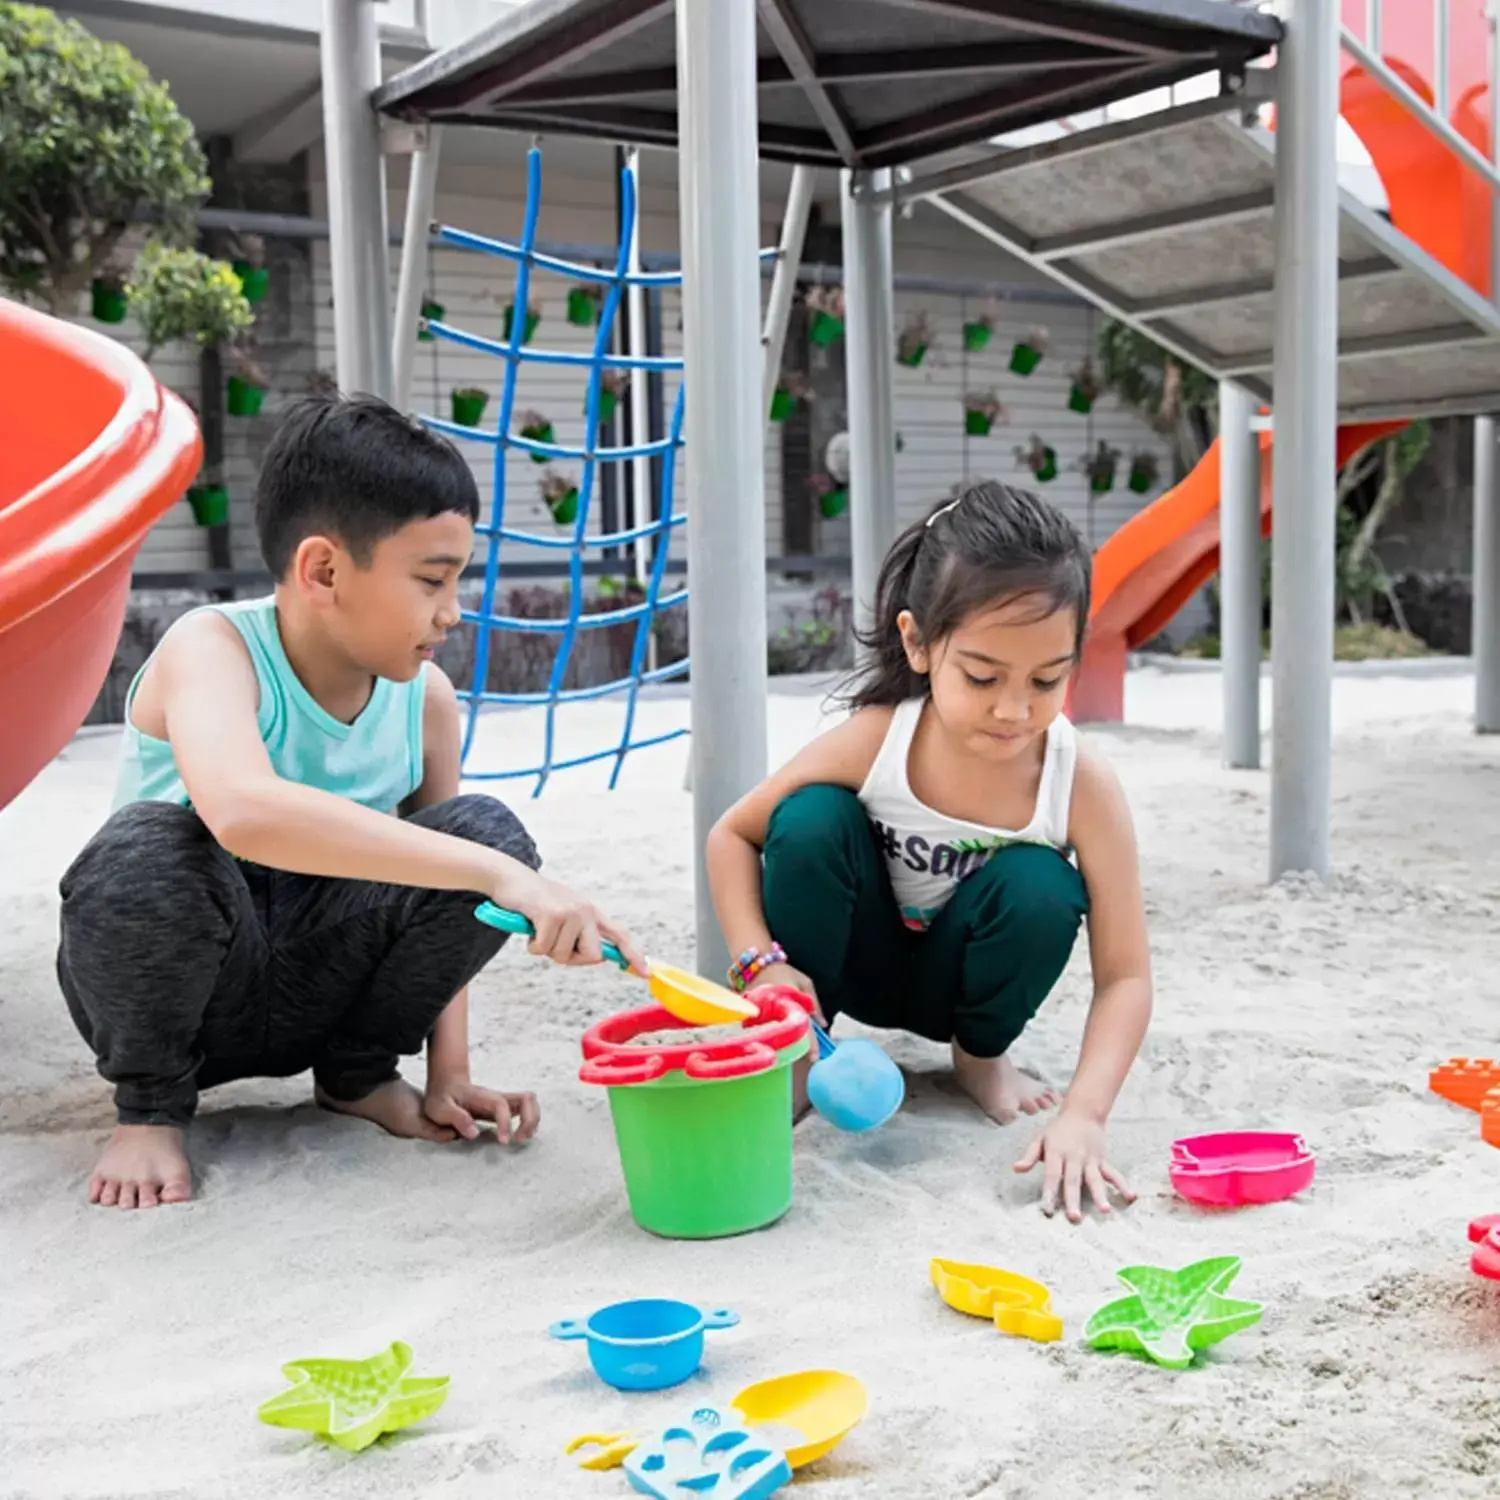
{"x": 134, "y": 1348}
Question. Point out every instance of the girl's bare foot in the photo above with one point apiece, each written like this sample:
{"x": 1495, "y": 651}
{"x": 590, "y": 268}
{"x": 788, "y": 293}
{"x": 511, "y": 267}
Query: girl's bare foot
{"x": 999, "y": 1087}
{"x": 395, "y": 1107}
{"x": 143, "y": 1166}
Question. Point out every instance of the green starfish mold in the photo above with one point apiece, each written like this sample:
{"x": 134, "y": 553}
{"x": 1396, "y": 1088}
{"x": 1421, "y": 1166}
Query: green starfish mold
{"x": 353, "y": 1401}
{"x": 1171, "y": 1315}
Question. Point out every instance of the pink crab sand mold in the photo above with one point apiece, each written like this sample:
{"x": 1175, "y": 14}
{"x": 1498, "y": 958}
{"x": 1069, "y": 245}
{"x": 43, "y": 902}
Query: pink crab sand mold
{"x": 1238, "y": 1167}
{"x": 1484, "y": 1235}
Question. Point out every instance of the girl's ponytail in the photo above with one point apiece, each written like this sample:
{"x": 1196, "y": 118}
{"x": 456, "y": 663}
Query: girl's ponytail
{"x": 885, "y": 677}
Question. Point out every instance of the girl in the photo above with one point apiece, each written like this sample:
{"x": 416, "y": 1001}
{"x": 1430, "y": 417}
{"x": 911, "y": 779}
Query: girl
{"x": 914, "y": 867}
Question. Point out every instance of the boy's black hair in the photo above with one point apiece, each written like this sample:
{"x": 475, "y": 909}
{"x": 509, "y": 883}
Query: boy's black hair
{"x": 991, "y": 544}
{"x": 354, "y": 468}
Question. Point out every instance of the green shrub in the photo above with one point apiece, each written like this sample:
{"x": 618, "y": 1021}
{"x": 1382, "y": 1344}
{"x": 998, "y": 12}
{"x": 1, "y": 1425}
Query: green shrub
{"x": 87, "y": 141}
{"x": 183, "y": 294}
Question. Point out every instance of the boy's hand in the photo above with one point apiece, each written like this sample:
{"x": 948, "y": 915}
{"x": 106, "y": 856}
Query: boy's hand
{"x": 569, "y": 930}
{"x": 460, "y": 1105}
{"x": 1071, "y": 1151}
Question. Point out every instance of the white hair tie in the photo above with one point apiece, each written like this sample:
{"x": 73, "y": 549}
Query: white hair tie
{"x": 951, "y": 505}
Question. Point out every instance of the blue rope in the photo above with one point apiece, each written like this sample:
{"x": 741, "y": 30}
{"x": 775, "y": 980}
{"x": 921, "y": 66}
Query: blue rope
{"x": 567, "y": 628}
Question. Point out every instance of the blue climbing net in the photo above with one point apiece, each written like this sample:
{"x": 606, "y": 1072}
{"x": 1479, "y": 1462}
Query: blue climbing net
{"x": 513, "y": 353}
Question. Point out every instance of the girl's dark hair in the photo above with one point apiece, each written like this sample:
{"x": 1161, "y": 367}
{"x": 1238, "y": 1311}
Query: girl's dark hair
{"x": 991, "y": 543}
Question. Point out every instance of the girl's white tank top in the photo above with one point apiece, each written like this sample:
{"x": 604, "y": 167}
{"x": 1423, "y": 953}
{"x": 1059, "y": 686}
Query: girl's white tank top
{"x": 926, "y": 852}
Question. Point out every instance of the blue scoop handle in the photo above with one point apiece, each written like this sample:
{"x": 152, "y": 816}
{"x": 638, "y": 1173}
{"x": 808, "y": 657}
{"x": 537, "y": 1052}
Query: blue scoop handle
{"x": 825, "y": 1043}
{"x": 512, "y": 921}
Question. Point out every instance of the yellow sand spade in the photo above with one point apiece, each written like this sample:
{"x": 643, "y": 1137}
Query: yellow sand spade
{"x": 808, "y": 1414}
{"x": 1016, "y": 1304}
{"x": 692, "y": 999}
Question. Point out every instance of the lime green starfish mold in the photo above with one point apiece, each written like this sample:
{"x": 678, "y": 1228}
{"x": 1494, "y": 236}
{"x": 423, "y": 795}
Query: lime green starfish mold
{"x": 1171, "y": 1315}
{"x": 353, "y": 1401}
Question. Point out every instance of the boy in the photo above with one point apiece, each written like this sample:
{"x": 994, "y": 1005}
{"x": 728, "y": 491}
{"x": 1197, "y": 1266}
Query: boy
{"x": 289, "y": 877}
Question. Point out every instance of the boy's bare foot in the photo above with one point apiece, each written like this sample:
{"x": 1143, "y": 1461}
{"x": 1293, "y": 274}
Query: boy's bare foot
{"x": 395, "y": 1107}
{"x": 999, "y": 1087}
{"x": 143, "y": 1166}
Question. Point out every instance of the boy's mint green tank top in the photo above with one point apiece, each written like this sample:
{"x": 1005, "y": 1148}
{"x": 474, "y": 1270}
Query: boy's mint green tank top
{"x": 376, "y": 760}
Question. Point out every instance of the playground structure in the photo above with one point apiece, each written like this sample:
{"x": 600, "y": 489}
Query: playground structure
{"x": 1376, "y": 322}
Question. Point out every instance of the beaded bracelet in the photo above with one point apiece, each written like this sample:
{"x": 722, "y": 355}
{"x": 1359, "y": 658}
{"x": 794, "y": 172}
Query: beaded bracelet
{"x": 751, "y": 962}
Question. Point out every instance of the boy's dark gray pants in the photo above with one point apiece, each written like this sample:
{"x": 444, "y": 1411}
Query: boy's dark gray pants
{"x": 184, "y": 967}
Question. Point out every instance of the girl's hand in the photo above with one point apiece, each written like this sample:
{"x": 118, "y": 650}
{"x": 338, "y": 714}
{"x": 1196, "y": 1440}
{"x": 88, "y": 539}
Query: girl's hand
{"x": 460, "y": 1105}
{"x": 1071, "y": 1151}
{"x": 786, "y": 974}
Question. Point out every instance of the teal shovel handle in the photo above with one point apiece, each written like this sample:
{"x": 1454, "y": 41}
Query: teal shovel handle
{"x": 512, "y": 921}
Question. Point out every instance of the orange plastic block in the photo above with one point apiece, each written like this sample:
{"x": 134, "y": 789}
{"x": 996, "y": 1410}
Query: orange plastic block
{"x": 1465, "y": 1080}
{"x": 1489, "y": 1117}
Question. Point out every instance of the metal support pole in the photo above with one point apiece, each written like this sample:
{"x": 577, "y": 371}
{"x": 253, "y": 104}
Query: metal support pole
{"x": 1239, "y": 575}
{"x": 799, "y": 196}
{"x": 1372, "y": 26}
{"x": 640, "y": 401}
{"x": 717, "y": 176}
{"x": 411, "y": 284}
{"x": 1486, "y": 572}
{"x": 1441, "y": 57}
{"x": 1306, "y": 379}
{"x": 358, "y": 235}
{"x": 869, "y": 361}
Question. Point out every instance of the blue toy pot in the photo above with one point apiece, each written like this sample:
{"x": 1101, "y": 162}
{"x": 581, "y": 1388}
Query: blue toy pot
{"x": 647, "y": 1345}
{"x": 854, "y": 1084}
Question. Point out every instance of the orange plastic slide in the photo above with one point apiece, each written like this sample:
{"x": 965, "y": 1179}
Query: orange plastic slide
{"x": 1154, "y": 564}
{"x": 92, "y": 451}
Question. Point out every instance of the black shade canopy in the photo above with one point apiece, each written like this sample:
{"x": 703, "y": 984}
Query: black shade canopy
{"x": 858, "y": 83}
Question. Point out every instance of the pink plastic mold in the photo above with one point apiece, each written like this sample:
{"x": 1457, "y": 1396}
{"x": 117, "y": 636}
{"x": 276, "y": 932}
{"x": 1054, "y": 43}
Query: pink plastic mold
{"x": 1237, "y": 1167}
{"x": 1484, "y": 1235}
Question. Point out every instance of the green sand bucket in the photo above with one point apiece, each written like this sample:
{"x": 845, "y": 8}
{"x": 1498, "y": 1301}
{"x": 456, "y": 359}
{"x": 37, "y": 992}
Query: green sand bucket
{"x": 704, "y": 1130}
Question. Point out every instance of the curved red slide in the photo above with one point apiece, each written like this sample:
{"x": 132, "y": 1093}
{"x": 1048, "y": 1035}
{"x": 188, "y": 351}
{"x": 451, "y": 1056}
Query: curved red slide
{"x": 92, "y": 452}
{"x": 1154, "y": 564}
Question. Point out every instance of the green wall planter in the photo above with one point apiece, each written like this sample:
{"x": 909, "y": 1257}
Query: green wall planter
{"x": 210, "y": 503}
{"x": 541, "y": 434}
{"x": 1024, "y": 358}
{"x": 978, "y": 423}
{"x": 468, "y": 407}
{"x": 783, "y": 404}
{"x": 833, "y": 504}
{"x": 1080, "y": 401}
{"x": 565, "y": 508}
{"x": 977, "y": 336}
{"x": 436, "y": 313}
{"x": 109, "y": 304}
{"x": 583, "y": 308}
{"x": 823, "y": 328}
{"x": 242, "y": 398}
{"x": 532, "y": 319}
{"x": 255, "y": 281}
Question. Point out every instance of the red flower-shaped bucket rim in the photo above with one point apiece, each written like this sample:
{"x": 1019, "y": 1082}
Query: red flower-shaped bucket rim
{"x": 612, "y": 1058}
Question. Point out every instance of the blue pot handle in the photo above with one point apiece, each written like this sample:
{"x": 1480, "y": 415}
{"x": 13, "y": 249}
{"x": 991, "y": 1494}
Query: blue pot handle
{"x": 512, "y": 921}
{"x": 720, "y": 1317}
{"x": 568, "y": 1328}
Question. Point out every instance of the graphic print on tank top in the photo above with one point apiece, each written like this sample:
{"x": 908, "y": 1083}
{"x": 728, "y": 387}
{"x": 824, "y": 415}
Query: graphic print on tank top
{"x": 928, "y": 853}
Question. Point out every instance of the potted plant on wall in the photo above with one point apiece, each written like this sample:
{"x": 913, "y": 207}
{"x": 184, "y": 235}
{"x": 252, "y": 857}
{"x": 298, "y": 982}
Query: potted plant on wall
{"x": 560, "y": 495}
{"x": 533, "y": 317}
{"x": 250, "y": 266}
{"x": 246, "y": 388}
{"x": 1145, "y": 469}
{"x": 109, "y": 300}
{"x": 832, "y": 497}
{"x": 1040, "y": 458}
{"x": 979, "y": 329}
{"x": 914, "y": 340}
{"x": 825, "y": 315}
{"x": 982, "y": 409}
{"x": 183, "y": 294}
{"x": 1026, "y": 354}
{"x": 612, "y": 385}
{"x": 1085, "y": 388}
{"x": 432, "y": 312}
{"x": 585, "y": 303}
{"x": 539, "y": 429}
{"x": 90, "y": 139}
{"x": 467, "y": 404}
{"x": 1100, "y": 466}
{"x": 791, "y": 389}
